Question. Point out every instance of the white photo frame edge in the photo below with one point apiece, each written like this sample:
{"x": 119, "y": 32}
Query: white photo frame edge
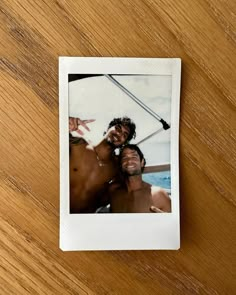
{"x": 118, "y": 231}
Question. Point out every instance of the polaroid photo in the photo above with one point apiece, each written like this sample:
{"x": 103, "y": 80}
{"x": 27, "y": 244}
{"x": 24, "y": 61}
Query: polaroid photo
{"x": 119, "y": 153}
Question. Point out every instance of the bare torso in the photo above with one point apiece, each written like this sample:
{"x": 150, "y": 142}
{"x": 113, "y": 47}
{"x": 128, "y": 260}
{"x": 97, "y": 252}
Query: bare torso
{"x": 88, "y": 179}
{"x": 138, "y": 201}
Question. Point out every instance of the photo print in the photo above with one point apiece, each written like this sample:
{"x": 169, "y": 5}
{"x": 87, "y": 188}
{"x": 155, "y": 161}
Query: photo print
{"x": 119, "y": 143}
{"x": 119, "y": 126}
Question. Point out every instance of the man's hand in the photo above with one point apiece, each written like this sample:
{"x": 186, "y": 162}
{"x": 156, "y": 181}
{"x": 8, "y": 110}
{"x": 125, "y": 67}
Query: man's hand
{"x": 75, "y": 123}
{"x": 156, "y": 210}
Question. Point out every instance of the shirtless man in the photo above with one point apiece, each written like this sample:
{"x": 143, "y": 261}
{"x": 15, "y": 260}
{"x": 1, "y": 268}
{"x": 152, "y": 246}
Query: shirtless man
{"x": 92, "y": 168}
{"x": 135, "y": 195}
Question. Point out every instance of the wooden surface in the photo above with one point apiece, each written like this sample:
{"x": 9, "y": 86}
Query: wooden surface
{"x": 32, "y": 36}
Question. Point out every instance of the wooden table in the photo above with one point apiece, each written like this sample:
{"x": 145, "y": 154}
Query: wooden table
{"x": 32, "y": 35}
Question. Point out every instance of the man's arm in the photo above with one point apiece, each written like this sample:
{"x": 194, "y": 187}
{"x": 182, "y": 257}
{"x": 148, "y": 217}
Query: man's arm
{"x": 161, "y": 201}
{"x": 74, "y": 125}
{"x": 76, "y": 140}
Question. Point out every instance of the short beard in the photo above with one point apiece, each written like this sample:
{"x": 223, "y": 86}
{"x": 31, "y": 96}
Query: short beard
{"x": 132, "y": 173}
{"x": 112, "y": 144}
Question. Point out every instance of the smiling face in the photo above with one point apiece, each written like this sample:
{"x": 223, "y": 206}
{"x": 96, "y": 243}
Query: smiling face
{"x": 117, "y": 135}
{"x": 131, "y": 163}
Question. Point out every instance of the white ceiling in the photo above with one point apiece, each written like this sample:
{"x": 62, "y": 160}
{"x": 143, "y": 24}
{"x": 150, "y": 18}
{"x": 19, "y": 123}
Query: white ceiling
{"x": 98, "y": 98}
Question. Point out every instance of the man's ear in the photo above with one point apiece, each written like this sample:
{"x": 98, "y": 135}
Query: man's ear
{"x": 142, "y": 163}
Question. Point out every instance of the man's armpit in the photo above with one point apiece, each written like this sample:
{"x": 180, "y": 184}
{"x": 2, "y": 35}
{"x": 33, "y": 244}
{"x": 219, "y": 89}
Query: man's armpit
{"x": 76, "y": 140}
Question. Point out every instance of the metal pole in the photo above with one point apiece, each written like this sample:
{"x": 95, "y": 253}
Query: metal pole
{"x": 149, "y": 136}
{"x": 139, "y": 102}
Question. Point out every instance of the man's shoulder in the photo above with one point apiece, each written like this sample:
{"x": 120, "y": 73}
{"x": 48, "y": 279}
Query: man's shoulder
{"x": 159, "y": 192}
{"x": 161, "y": 199}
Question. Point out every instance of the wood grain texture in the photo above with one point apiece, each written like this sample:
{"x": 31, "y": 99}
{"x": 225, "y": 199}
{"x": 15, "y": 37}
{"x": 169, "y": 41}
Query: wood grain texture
{"x": 32, "y": 36}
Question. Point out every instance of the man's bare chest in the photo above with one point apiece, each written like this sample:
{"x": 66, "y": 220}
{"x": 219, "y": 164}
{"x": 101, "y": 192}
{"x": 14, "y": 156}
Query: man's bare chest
{"x": 86, "y": 167}
{"x": 132, "y": 202}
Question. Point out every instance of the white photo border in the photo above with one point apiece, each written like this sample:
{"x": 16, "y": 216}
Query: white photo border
{"x": 141, "y": 231}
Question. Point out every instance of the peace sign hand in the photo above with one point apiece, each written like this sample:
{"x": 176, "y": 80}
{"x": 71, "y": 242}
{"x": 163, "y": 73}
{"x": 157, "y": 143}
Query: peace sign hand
{"x": 75, "y": 123}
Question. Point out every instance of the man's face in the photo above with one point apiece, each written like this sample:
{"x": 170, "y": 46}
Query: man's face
{"x": 117, "y": 135}
{"x": 131, "y": 163}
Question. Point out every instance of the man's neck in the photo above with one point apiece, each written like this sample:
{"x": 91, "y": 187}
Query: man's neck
{"x": 134, "y": 182}
{"x": 104, "y": 150}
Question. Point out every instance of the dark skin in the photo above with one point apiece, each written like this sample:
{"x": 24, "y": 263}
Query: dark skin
{"x": 92, "y": 168}
{"x": 134, "y": 195}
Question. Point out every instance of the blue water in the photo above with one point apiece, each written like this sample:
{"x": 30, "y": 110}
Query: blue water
{"x": 162, "y": 179}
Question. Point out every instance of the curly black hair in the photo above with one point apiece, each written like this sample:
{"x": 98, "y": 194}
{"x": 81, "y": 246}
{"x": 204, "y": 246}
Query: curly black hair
{"x": 125, "y": 121}
{"x": 133, "y": 147}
